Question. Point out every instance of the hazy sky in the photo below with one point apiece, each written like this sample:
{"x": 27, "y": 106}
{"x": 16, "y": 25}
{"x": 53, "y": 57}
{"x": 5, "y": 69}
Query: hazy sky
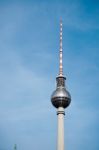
{"x": 29, "y": 48}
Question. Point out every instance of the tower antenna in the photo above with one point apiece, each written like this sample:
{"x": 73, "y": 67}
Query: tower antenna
{"x": 60, "y": 52}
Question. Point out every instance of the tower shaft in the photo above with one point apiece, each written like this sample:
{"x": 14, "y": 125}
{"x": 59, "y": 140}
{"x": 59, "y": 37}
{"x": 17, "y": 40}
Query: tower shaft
{"x": 60, "y": 138}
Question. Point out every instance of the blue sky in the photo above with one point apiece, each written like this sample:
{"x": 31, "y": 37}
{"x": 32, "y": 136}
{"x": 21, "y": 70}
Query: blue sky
{"x": 29, "y": 45}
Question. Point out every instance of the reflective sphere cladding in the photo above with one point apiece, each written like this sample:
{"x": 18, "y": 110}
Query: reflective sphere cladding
{"x": 61, "y": 97}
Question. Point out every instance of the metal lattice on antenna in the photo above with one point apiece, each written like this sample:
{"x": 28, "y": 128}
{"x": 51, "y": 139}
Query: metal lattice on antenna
{"x": 60, "y": 52}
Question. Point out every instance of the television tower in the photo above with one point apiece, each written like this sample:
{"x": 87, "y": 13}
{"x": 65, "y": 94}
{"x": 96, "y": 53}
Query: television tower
{"x": 60, "y": 98}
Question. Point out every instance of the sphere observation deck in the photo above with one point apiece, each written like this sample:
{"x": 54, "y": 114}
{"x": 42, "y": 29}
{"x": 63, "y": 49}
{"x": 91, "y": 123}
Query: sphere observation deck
{"x": 60, "y": 97}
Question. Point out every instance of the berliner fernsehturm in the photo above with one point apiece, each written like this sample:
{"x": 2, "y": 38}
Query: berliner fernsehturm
{"x": 60, "y": 97}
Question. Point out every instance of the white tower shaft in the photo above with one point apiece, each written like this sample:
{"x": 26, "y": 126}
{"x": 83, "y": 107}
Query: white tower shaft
{"x": 60, "y": 142}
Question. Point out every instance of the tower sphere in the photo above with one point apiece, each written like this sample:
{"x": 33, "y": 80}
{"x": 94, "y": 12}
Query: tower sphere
{"x": 60, "y": 97}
